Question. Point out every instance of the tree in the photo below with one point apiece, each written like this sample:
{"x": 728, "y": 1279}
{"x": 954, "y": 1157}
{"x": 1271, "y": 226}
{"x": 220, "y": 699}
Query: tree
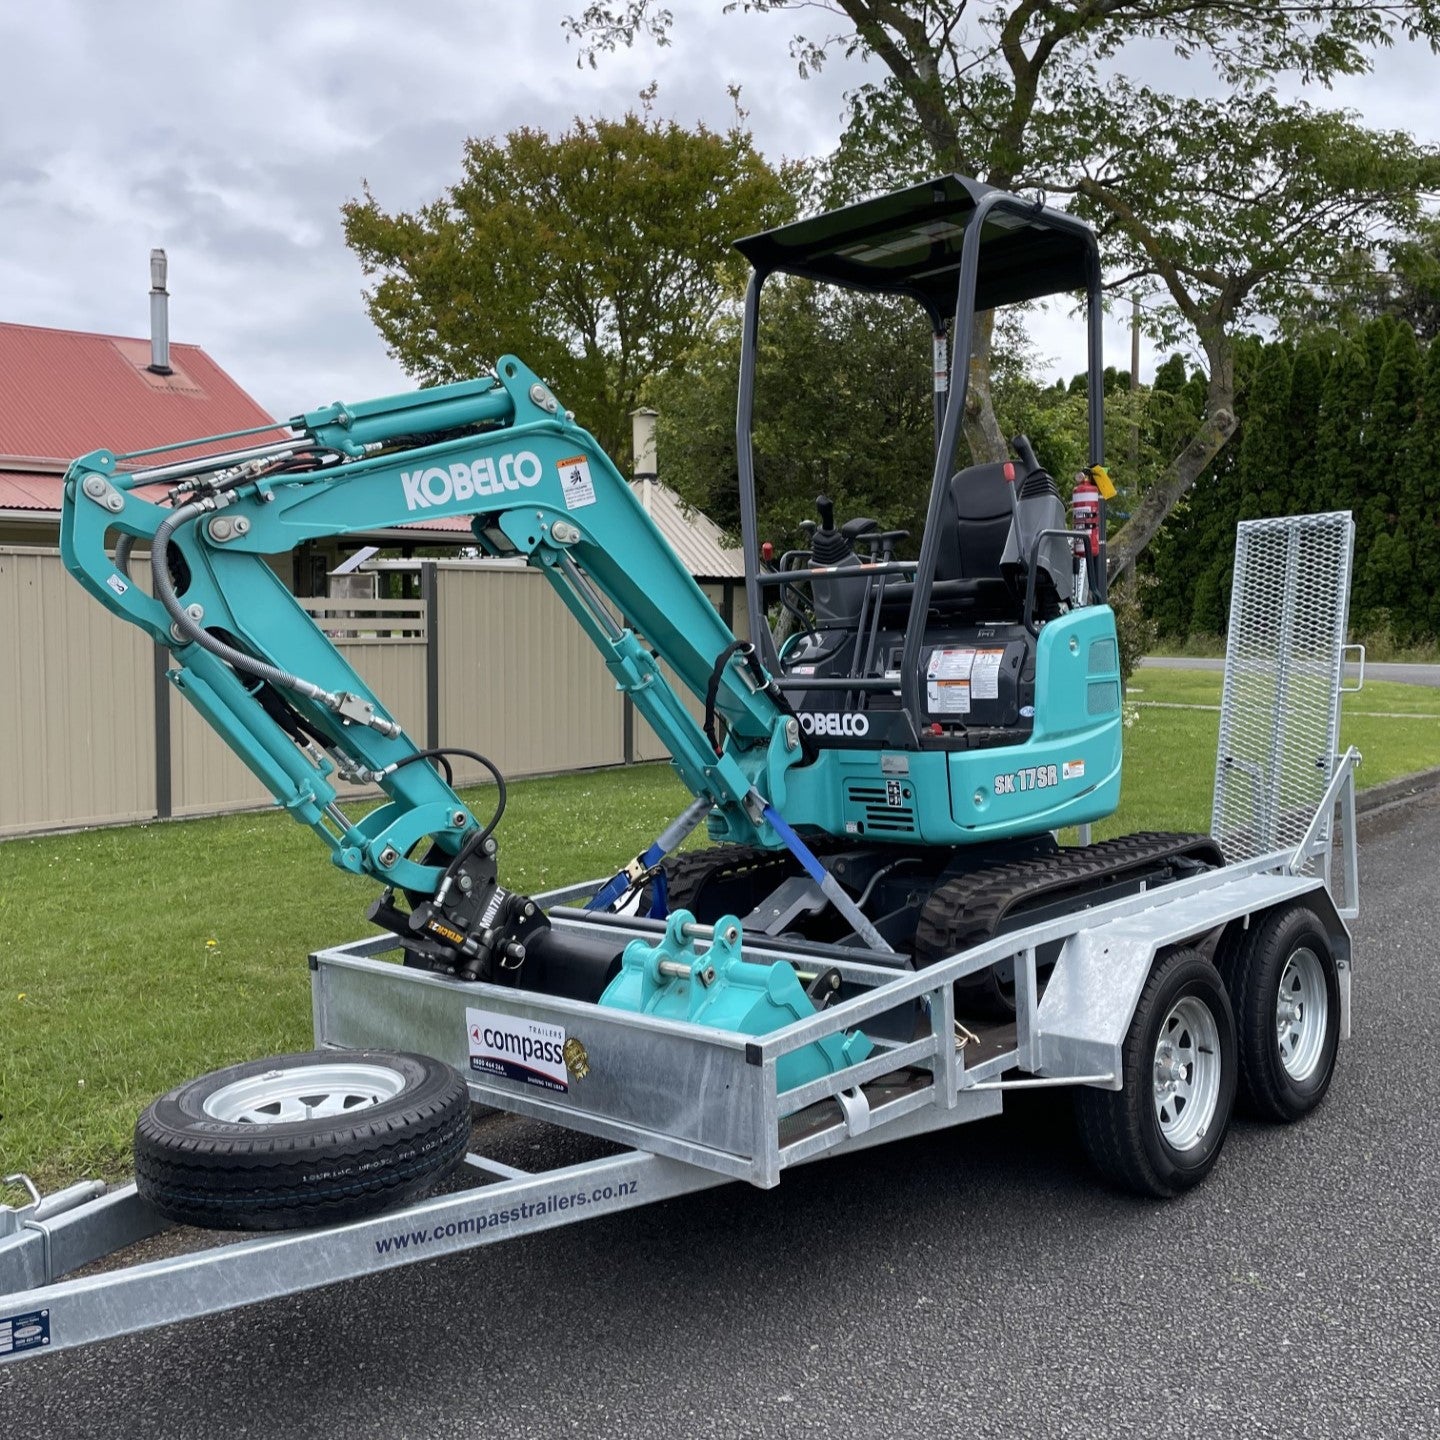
{"x": 1340, "y": 469}
{"x": 1224, "y": 203}
{"x": 1418, "y": 520}
{"x": 599, "y": 257}
{"x": 1383, "y": 569}
{"x": 990, "y": 86}
{"x": 1264, "y": 469}
{"x": 1401, "y": 280}
{"x": 1307, "y": 382}
{"x": 842, "y": 407}
{"x": 1414, "y": 288}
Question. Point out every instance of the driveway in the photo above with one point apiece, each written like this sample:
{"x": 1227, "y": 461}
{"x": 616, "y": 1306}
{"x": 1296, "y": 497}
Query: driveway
{"x": 981, "y": 1283}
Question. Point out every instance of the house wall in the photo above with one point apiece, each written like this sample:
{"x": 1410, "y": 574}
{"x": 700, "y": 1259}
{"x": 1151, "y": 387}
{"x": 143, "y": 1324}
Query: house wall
{"x": 511, "y": 674}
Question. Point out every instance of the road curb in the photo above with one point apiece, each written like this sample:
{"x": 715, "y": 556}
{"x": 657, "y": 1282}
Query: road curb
{"x": 1397, "y": 791}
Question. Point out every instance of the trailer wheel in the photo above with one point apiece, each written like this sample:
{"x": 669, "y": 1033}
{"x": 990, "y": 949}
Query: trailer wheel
{"x": 307, "y": 1139}
{"x": 1162, "y": 1132}
{"x": 1285, "y": 989}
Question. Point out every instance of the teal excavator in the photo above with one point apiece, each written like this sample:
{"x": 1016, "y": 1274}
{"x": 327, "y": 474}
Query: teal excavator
{"x": 891, "y": 775}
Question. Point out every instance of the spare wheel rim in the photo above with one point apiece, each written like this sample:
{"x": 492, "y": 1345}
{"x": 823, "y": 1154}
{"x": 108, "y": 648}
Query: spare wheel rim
{"x": 304, "y": 1092}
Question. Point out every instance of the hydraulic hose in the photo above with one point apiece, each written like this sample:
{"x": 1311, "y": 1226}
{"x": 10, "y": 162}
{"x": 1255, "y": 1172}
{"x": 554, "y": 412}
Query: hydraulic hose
{"x": 192, "y": 630}
{"x": 477, "y": 837}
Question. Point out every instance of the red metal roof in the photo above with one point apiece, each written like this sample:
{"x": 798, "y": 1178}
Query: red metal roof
{"x": 22, "y": 491}
{"x": 67, "y": 392}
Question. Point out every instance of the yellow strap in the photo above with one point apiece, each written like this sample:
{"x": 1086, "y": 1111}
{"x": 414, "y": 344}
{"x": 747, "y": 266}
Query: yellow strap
{"x": 1103, "y": 482}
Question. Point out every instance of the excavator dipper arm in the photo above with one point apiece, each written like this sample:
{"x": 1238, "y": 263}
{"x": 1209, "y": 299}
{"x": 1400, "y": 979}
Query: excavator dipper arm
{"x": 256, "y": 666}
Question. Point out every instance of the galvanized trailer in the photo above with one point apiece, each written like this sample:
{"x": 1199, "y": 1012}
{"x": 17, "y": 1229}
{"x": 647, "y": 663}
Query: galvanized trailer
{"x": 696, "y": 1107}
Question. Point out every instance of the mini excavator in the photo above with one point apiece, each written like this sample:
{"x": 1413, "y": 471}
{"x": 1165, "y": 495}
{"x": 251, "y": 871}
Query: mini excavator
{"x": 886, "y": 765}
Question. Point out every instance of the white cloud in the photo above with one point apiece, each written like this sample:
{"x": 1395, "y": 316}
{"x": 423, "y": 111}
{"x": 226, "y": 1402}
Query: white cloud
{"x": 232, "y": 132}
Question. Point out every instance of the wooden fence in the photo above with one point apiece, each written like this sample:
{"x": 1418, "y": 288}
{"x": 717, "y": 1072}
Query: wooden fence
{"x": 488, "y": 659}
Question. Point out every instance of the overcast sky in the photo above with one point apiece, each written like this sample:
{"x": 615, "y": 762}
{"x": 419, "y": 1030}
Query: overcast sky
{"x": 231, "y": 131}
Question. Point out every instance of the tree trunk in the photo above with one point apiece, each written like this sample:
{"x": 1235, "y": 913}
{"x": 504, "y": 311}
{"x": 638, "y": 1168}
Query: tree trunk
{"x": 1161, "y": 498}
{"x": 982, "y": 428}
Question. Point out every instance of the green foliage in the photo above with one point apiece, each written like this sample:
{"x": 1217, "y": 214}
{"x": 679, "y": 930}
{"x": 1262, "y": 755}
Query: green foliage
{"x": 599, "y": 256}
{"x": 1264, "y": 459}
{"x": 1401, "y": 280}
{"x": 1340, "y": 466}
{"x": 1307, "y": 383}
{"x": 1134, "y": 628}
{"x": 1317, "y": 434}
{"x": 1417, "y": 524}
{"x": 1414, "y": 289}
{"x": 842, "y": 407}
{"x": 1383, "y": 573}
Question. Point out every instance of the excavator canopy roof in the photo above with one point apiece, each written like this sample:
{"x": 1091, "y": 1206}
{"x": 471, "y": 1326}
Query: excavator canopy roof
{"x": 909, "y": 242}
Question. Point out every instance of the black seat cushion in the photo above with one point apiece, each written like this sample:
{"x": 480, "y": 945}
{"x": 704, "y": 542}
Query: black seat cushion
{"x": 974, "y": 526}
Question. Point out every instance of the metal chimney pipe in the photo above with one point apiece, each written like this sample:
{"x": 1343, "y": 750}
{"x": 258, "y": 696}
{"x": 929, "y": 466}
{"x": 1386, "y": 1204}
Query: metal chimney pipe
{"x": 642, "y": 436}
{"x": 159, "y": 316}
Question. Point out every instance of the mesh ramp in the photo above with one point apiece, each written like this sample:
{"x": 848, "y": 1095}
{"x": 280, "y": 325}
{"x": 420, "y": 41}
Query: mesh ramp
{"x": 1280, "y": 713}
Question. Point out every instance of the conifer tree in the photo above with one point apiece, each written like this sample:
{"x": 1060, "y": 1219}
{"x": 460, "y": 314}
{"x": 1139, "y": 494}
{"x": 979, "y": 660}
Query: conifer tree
{"x": 1418, "y": 520}
{"x": 1263, "y": 472}
{"x": 1340, "y": 433}
{"x": 1382, "y": 571}
{"x": 1307, "y": 380}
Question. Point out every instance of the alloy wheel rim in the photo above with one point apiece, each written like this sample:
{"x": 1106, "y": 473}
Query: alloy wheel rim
{"x": 1187, "y": 1073}
{"x": 304, "y": 1092}
{"x": 1302, "y": 1013}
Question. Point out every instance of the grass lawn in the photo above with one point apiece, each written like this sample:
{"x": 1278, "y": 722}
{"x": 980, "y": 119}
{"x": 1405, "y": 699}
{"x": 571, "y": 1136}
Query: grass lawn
{"x": 132, "y": 959}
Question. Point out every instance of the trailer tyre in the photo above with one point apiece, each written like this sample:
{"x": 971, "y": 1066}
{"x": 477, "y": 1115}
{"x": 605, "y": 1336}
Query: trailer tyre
{"x": 1162, "y": 1132}
{"x": 297, "y": 1140}
{"x": 1285, "y": 989}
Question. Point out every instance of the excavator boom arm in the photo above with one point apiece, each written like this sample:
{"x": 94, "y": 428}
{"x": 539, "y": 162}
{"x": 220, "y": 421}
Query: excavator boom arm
{"x": 282, "y": 696}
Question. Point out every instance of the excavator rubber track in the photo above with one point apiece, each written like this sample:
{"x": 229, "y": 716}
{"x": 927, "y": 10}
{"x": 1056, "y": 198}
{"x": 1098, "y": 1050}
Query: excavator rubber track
{"x": 969, "y": 909}
{"x": 688, "y": 874}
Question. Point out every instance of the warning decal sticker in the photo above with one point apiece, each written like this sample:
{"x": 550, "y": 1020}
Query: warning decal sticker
{"x": 947, "y": 682}
{"x": 575, "y": 483}
{"x": 985, "y": 676}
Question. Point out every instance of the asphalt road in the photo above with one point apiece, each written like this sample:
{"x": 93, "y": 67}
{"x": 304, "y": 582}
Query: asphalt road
{"x": 1374, "y": 670}
{"x": 979, "y": 1283}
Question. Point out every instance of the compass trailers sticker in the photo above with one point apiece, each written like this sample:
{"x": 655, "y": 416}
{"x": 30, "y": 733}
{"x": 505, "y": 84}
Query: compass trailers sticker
{"x": 517, "y": 1049}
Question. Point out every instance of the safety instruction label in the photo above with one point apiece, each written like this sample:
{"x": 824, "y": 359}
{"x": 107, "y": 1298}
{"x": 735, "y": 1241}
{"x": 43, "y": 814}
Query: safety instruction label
{"x": 947, "y": 682}
{"x": 575, "y": 483}
{"x": 517, "y": 1049}
{"x": 985, "y": 675}
{"x": 24, "y": 1332}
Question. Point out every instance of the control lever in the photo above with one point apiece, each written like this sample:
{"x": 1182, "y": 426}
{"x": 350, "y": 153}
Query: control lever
{"x": 1020, "y": 444}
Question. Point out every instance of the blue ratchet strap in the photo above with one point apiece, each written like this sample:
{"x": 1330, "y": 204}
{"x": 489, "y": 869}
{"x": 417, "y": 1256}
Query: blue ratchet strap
{"x": 621, "y": 881}
{"x": 647, "y": 865}
{"x": 796, "y": 846}
{"x": 830, "y": 887}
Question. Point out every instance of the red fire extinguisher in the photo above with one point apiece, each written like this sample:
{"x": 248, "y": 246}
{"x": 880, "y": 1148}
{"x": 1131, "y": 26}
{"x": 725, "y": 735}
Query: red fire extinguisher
{"x": 1085, "y": 514}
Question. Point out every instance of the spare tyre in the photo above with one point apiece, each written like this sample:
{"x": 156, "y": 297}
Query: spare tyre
{"x": 297, "y": 1140}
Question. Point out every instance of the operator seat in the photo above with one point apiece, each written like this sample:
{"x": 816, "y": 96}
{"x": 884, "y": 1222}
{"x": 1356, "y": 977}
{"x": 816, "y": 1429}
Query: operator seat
{"x": 975, "y": 521}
